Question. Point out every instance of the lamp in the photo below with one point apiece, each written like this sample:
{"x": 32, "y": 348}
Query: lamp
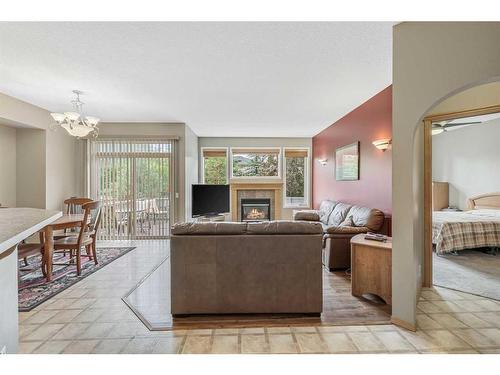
{"x": 383, "y": 144}
{"x": 322, "y": 161}
{"x": 74, "y": 122}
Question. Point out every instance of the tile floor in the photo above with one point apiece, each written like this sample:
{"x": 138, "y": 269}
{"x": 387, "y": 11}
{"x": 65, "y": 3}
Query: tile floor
{"x": 90, "y": 317}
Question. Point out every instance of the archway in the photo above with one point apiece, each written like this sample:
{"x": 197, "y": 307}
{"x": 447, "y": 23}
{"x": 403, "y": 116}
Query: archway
{"x": 456, "y": 111}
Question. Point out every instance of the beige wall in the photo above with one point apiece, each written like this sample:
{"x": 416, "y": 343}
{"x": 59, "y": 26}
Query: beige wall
{"x": 163, "y": 129}
{"x": 30, "y": 168}
{"x": 7, "y": 166}
{"x": 46, "y": 163}
{"x": 24, "y": 114}
{"x": 431, "y": 61}
{"x": 480, "y": 96}
{"x": 259, "y": 142}
{"x": 61, "y": 168}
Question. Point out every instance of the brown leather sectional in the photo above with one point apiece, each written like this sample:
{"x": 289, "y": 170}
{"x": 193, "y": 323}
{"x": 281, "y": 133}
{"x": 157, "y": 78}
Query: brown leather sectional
{"x": 340, "y": 222}
{"x": 238, "y": 268}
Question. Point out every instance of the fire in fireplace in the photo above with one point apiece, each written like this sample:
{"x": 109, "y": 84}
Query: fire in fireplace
{"x": 255, "y": 209}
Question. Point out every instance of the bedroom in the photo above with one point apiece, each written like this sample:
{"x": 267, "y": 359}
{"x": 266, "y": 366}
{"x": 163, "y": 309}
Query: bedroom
{"x": 466, "y": 196}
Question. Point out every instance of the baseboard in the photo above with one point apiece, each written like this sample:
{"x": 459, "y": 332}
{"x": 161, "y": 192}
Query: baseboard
{"x": 403, "y": 324}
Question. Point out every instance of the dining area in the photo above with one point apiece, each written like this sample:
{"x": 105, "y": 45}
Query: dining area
{"x": 70, "y": 241}
{"x": 73, "y": 235}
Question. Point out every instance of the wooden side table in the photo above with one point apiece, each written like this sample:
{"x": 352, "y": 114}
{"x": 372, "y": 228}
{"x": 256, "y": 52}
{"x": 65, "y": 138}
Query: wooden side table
{"x": 371, "y": 267}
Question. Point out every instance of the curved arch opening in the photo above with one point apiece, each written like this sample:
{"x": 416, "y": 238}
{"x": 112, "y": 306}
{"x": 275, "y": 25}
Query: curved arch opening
{"x": 457, "y": 138}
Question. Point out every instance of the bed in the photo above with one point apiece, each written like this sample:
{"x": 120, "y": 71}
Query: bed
{"x": 478, "y": 227}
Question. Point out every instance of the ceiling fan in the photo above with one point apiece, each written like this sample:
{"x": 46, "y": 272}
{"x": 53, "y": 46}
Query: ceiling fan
{"x": 442, "y": 126}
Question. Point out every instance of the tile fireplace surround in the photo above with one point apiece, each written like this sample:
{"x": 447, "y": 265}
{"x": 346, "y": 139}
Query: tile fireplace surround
{"x": 273, "y": 191}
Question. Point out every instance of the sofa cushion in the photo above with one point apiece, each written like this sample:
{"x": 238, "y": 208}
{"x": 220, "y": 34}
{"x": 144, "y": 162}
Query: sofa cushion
{"x": 306, "y": 215}
{"x": 325, "y": 209}
{"x": 284, "y": 227}
{"x": 209, "y": 228}
{"x": 231, "y": 228}
{"x": 193, "y": 228}
{"x": 346, "y": 230}
{"x": 367, "y": 217}
{"x": 338, "y": 214}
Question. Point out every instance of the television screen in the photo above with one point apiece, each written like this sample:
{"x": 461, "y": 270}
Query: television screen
{"x": 209, "y": 200}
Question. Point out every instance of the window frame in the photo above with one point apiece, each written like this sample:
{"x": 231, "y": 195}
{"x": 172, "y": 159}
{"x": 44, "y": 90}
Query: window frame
{"x": 307, "y": 179}
{"x": 214, "y": 148}
{"x": 280, "y": 154}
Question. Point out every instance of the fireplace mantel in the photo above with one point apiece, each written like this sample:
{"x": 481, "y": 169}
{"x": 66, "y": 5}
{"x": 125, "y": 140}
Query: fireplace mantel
{"x": 277, "y": 188}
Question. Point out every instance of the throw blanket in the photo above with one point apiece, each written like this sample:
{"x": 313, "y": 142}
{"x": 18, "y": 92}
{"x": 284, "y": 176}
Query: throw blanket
{"x": 452, "y": 231}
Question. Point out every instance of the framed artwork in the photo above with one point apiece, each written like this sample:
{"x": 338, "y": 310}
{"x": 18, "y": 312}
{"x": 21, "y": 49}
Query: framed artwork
{"x": 347, "y": 162}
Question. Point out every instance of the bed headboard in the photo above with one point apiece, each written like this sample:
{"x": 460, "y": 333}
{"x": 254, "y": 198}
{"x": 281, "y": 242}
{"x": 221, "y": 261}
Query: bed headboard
{"x": 490, "y": 200}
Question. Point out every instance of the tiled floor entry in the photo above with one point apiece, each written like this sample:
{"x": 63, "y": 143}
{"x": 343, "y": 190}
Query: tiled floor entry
{"x": 90, "y": 317}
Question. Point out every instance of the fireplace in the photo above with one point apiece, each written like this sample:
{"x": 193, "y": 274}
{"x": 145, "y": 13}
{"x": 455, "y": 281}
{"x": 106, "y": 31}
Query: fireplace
{"x": 255, "y": 209}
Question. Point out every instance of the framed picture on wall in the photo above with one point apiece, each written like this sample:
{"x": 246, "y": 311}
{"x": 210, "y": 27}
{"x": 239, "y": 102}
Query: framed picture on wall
{"x": 347, "y": 162}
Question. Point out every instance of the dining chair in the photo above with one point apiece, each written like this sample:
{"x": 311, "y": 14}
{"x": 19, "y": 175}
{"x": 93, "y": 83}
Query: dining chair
{"x": 74, "y": 205}
{"x": 86, "y": 238}
{"x": 25, "y": 250}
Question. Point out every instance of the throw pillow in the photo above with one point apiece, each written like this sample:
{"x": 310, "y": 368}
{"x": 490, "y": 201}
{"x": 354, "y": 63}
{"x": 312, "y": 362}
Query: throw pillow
{"x": 348, "y": 222}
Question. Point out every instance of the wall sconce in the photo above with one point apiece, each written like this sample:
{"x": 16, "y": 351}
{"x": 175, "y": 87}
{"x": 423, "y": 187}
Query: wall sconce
{"x": 383, "y": 144}
{"x": 322, "y": 161}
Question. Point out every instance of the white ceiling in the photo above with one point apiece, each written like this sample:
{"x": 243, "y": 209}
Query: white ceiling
{"x": 222, "y": 79}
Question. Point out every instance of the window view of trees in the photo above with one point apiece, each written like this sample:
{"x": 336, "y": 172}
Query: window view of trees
{"x": 215, "y": 170}
{"x": 295, "y": 171}
{"x": 263, "y": 162}
{"x": 255, "y": 165}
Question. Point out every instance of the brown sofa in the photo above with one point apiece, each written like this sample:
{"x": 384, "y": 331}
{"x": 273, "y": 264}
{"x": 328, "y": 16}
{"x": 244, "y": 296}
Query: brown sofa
{"x": 340, "y": 222}
{"x": 234, "y": 268}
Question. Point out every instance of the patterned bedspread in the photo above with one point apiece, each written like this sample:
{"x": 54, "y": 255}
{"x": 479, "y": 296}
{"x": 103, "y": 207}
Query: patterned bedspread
{"x": 452, "y": 231}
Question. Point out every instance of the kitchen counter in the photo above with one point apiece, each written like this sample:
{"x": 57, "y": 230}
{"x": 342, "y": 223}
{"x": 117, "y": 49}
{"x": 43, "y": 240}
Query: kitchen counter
{"x": 16, "y": 224}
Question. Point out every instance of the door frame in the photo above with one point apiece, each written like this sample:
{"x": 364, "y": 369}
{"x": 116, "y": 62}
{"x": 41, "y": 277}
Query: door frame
{"x": 427, "y": 281}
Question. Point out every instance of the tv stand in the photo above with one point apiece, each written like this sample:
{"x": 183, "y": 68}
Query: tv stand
{"x": 211, "y": 218}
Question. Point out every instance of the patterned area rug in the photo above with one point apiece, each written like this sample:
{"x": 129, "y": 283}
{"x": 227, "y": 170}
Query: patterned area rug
{"x": 34, "y": 289}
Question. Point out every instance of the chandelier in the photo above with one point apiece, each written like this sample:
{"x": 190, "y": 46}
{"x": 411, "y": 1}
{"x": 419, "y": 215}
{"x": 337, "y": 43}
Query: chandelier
{"x": 75, "y": 122}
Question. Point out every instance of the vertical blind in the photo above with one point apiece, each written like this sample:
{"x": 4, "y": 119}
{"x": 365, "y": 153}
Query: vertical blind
{"x": 134, "y": 180}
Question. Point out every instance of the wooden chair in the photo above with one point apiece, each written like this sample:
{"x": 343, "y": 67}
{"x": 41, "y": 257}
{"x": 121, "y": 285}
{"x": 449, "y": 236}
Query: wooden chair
{"x": 87, "y": 236}
{"x": 74, "y": 205}
{"x": 25, "y": 250}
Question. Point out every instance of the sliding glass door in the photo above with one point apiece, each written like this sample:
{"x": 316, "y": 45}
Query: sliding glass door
{"x": 134, "y": 179}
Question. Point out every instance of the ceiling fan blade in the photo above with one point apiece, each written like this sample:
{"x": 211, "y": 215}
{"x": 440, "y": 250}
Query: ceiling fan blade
{"x": 460, "y": 124}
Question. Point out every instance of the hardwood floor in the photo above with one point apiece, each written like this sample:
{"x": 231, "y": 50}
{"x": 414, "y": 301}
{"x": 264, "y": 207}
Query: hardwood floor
{"x": 151, "y": 302}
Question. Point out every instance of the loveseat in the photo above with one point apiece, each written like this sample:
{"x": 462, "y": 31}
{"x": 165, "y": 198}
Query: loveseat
{"x": 340, "y": 222}
{"x": 234, "y": 268}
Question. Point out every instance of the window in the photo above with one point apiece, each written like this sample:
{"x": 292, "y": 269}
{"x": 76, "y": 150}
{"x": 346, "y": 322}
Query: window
{"x": 296, "y": 177}
{"x": 214, "y": 166}
{"x": 255, "y": 163}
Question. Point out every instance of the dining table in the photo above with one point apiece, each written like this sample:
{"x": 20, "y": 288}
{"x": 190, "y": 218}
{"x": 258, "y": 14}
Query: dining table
{"x": 66, "y": 221}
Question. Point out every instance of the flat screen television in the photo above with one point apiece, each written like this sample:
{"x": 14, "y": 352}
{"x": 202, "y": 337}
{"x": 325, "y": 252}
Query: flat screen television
{"x": 209, "y": 200}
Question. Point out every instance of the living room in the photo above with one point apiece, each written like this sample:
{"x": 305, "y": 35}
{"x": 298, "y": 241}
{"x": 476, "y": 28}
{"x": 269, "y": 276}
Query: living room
{"x": 249, "y": 188}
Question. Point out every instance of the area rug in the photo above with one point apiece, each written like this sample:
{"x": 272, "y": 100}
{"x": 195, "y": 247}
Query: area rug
{"x": 471, "y": 271}
{"x": 34, "y": 289}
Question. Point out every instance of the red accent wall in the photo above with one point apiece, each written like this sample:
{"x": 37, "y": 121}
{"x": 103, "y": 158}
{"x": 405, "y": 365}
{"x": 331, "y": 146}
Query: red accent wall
{"x": 372, "y": 120}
